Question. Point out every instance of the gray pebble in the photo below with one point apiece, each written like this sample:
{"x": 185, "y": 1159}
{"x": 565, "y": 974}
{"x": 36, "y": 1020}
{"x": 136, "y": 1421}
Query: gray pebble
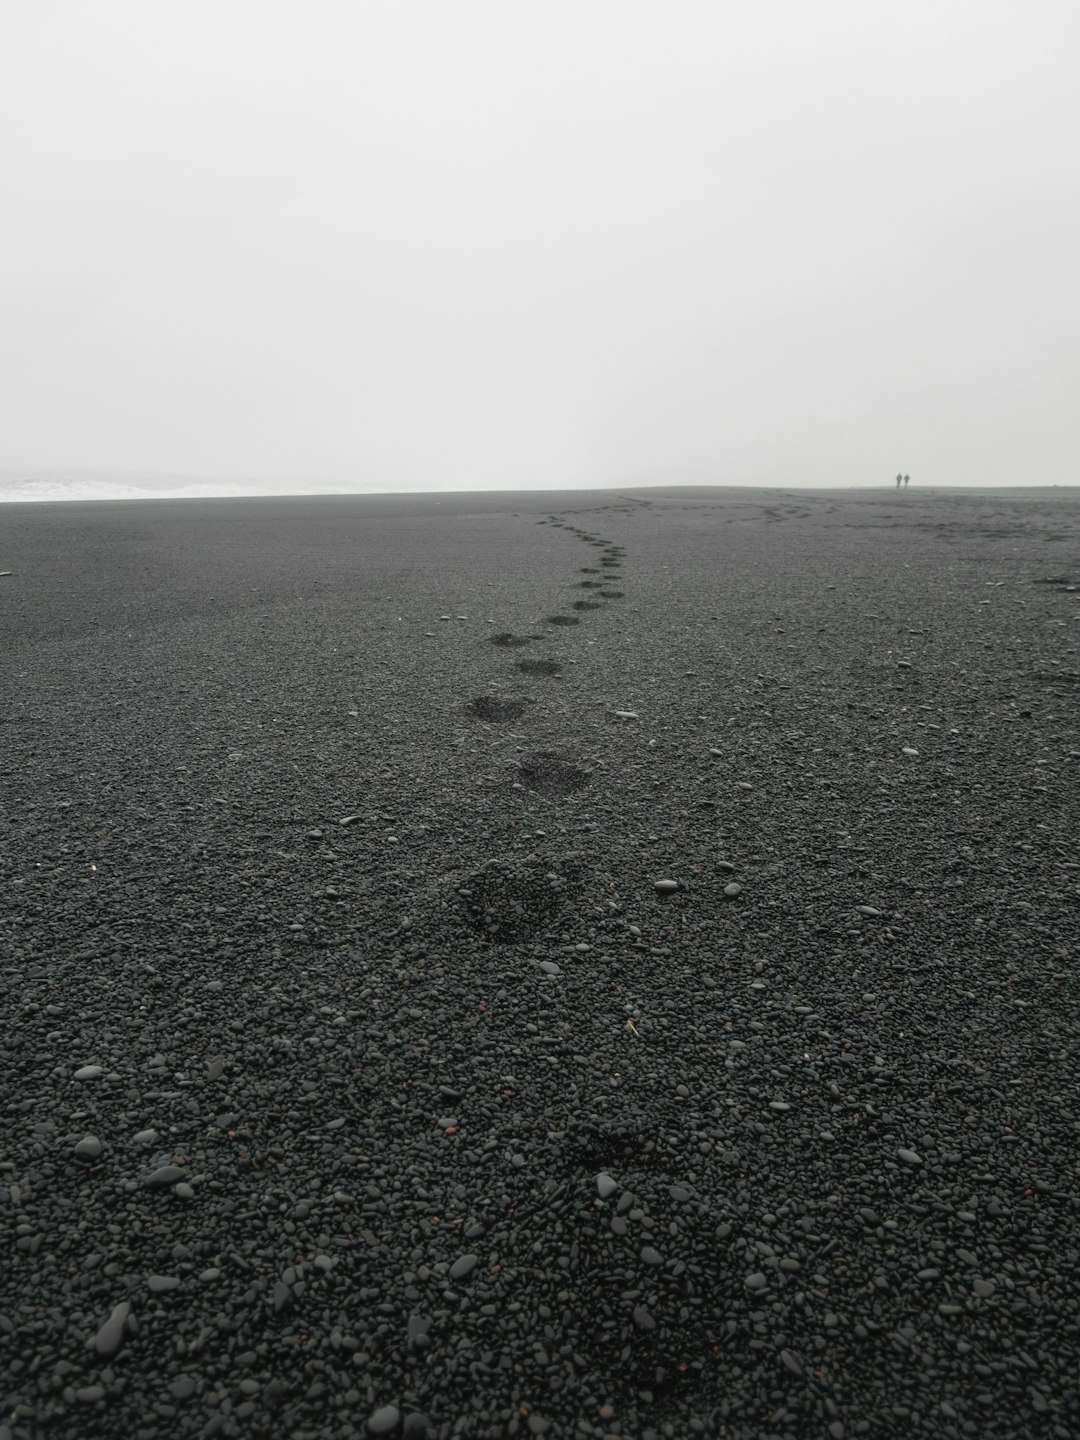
{"x": 164, "y": 1176}
{"x": 110, "y": 1337}
{"x": 791, "y": 1362}
{"x": 384, "y": 1421}
{"x": 161, "y": 1284}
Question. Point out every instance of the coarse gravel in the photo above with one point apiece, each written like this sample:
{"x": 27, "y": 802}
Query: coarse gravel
{"x": 672, "y": 1032}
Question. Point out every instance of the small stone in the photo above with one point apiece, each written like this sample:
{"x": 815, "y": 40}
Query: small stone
{"x": 387, "y": 1419}
{"x": 909, "y": 750}
{"x": 666, "y": 887}
{"x": 183, "y": 1387}
{"x": 626, "y": 714}
{"x": 733, "y": 889}
{"x": 983, "y": 1288}
{"x": 90, "y": 1394}
{"x": 464, "y": 1266}
{"x": 110, "y": 1337}
{"x": 791, "y": 1362}
{"x": 89, "y": 1149}
{"x": 909, "y": 1157}
{"x": 215, "y": 1070}
{"x": 145, "y": 1137}
{"x": 162, "y": 1284}
{"x": 89, "y": 1072}
{"x": 756, "y": 1281}
{"x": 642, "y": 1319}
{"x": 549, "y": 967}
{"x": 165, "y": 1175}
{"x": 605, "y": 1185}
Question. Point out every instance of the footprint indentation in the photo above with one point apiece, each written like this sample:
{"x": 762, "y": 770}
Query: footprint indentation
{"x": 539, "y": 667}
{"x": 505, "y": 637}
{"x": 549, "y": 774}
{"x": 563, "y": 620}
{"x": 587, "y": 605}
{"x": 494, "y": 710}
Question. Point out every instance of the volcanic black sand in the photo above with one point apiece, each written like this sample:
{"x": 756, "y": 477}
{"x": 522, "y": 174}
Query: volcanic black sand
{"x": 358, "y": 1076}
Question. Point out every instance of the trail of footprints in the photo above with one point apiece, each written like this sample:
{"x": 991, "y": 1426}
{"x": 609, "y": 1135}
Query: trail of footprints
{"x": 646, "y": 1335}
{"x": 512, "y": 898}
{"x": 547, "y": 772}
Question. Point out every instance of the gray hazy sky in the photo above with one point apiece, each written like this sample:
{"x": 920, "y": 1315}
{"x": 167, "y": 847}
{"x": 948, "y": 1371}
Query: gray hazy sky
{"x": 498, "y": 243}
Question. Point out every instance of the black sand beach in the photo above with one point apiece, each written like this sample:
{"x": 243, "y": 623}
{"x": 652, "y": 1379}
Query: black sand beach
{"x": 356, "y": 1077}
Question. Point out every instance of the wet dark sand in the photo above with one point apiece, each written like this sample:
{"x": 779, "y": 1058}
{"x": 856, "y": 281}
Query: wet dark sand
{"x": 838, "y": 1108}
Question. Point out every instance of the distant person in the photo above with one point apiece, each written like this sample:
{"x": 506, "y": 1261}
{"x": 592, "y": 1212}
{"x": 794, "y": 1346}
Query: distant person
{"x": 906, "y": 479}
{"x": 898, "y": 479}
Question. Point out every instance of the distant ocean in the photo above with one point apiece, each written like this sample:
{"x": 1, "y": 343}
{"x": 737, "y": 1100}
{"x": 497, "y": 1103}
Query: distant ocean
{"x": 79, "y": 485}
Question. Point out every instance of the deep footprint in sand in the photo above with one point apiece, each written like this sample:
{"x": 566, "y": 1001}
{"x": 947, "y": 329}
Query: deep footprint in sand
{"x": 549, "y": 774}
{"x": 495, "y": 711}
{"x": 587, "y": 605}
{"x": 613, "y": 594}
{"x": 563, "y": 620}
{"x": 539, "y": 667}
{"x": 507, "y": 639}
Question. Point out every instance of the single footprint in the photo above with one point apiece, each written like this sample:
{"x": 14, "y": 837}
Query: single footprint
{"x": 548, "y": 773}
{"x": 586, "y": 605}
{"x": 563, "y": 620}
{"x": 506, "y": 638}
{"x": 493, "y": 710}
{"x": 539, "y": 667}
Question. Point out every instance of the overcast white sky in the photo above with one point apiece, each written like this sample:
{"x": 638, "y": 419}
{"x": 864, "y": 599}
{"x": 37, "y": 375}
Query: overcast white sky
{"x": 425, "y": 244}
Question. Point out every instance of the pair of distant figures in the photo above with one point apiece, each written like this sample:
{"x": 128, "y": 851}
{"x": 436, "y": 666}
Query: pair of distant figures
{"x": 902, "y": 480}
